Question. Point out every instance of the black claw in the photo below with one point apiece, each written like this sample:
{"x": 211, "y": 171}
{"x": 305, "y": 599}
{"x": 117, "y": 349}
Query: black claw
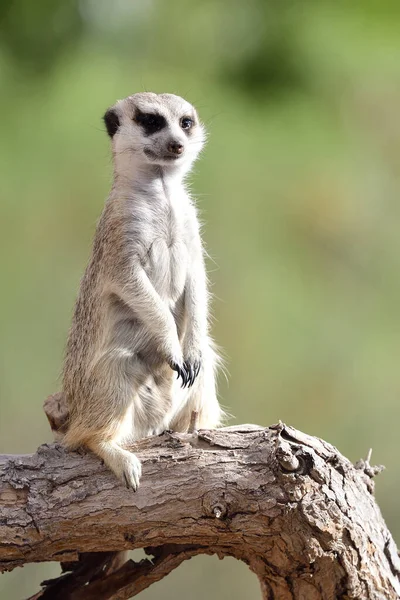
{"x": 126, "y": 482}
{"x": 184, "y": 375}
{"x": 188, "y": 375}
{"x": 175, "y": 367}
{"x": 192, "y": 376}
{"x": 187, "y": 372}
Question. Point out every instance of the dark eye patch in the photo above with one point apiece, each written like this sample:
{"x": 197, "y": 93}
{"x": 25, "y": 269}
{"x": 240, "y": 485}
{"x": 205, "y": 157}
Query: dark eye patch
{"x": 111, "y": 121}
{"x": 150, "y": 122}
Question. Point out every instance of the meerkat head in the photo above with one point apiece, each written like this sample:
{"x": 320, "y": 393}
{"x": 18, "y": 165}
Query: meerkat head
{"x": 158, "y": 129}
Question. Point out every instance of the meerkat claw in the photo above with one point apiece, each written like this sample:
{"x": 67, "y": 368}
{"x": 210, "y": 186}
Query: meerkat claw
{"x": 182, "y": 372}
{"x": 185, "y": 377}
{"x": 192, "y": 371}
{"x": 197, "y": 367}
{"x": 191, "y": 376}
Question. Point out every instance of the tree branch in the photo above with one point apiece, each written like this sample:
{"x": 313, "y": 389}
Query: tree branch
{"x": 289, "y": 505}
{"x": 92, "y": 576}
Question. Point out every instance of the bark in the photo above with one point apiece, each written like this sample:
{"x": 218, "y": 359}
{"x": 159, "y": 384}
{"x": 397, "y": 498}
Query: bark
{"x": 291, "y": 506}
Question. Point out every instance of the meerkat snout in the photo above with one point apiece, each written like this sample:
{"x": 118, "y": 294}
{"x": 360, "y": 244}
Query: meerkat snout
{"x": 175, "y": 148}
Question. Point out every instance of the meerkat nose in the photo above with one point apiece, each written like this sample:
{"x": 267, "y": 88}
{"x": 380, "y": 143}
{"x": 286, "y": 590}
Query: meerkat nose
{"x": 175, "y": 147}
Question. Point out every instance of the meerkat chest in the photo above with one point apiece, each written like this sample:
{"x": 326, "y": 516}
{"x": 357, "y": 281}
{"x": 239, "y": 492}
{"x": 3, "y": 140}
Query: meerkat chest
{"x": 168, "y": 255}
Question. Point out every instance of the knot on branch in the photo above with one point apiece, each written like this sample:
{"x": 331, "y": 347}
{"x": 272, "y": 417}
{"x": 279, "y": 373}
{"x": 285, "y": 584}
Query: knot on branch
{"x": 288, "y": 459}
{"x": 367, "y": 469}
{"x": 297, "y": 453}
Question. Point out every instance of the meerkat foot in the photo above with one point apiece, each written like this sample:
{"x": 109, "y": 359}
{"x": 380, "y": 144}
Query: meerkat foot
{"x": 131, "y": 471}
{"x": 124, "y": 464}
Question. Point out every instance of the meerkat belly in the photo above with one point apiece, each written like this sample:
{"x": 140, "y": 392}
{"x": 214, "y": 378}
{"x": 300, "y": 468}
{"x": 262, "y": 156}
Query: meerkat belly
{"x": 167, "y": 267}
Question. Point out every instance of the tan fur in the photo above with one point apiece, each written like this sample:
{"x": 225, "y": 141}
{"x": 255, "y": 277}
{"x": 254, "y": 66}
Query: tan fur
{"x": 142, "y": 309}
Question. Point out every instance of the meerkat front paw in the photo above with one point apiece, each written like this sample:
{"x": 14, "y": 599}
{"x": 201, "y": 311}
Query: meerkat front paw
{"x": 177, "y": 364}
{"x": 181, "y": 369}
{"x": 192, "y": 367}
{"x": 188, "y": 370}
{"x": 192, "y": 362}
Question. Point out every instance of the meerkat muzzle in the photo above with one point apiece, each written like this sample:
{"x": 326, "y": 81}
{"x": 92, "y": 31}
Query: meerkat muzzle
{"x": 175, "y": 148}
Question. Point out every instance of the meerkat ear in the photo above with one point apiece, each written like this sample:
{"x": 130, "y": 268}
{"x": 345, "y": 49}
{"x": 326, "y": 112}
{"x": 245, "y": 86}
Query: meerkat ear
{"x": 111, "y": 121}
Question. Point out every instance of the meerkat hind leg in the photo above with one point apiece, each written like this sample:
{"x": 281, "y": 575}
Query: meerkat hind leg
{"x": 114, "y": 380}
{"x": 124, "y": 464}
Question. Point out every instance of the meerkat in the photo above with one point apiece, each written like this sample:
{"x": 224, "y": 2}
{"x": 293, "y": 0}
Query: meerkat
{"x": 139, "y": 357}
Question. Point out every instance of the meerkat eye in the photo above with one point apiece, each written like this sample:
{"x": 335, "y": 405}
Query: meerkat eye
{"x": 150, "y": 122}
{"x": 187, "y": 123}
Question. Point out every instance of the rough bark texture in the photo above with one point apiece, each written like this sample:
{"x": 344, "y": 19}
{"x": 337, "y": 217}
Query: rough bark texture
{"x": 290, "y": 506}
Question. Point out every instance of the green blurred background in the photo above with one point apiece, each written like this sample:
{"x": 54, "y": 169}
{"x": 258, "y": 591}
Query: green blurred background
{"x": 299, "y": 188}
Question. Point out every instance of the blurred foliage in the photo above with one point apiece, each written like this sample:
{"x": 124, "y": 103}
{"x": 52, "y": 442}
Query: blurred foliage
{"x": 35, "y": 33}
{"x": 299, "y": 189}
